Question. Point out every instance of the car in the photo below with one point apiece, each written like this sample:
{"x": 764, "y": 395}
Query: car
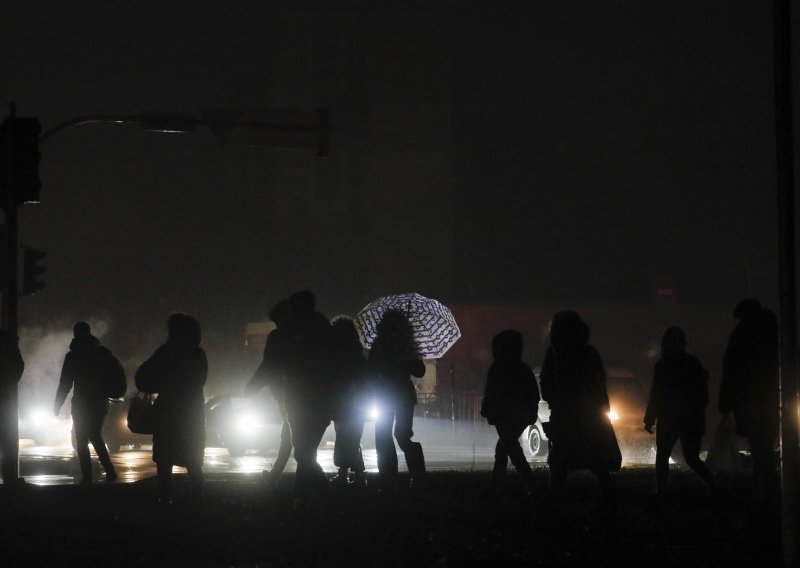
{"x": 627, "y": 398}
{"x": 241, "y": 423}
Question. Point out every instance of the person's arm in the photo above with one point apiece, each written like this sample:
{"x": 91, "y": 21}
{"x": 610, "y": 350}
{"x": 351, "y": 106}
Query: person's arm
{"x": 416, "y": 368}
{"x": 64, "y": 385}
{"x": 148, "y": 375}
{"x": 654, "y": 402}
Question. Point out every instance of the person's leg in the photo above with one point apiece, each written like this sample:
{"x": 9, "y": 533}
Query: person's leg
{"x": 665, "y": 441}
{"x": 509, "y": 440}
{"x": 403, "y": 432}
{"x": 82, "y": 447}
{"x": 765, "y": 470}
{"x": 307, "y": 432}
{"x": 96, "y": 438}
{"x": 341, "y": 451}
{"x": 284, "y": 451}
{"x": 197, "y": 478}
{"x": 384, "y": 447}
{"x": 690, "y": 445}
{"x": 164, "y": 472}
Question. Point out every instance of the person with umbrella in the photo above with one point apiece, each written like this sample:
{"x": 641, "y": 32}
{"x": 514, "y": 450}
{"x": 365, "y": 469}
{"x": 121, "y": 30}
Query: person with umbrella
{"x": 394, "y": 356}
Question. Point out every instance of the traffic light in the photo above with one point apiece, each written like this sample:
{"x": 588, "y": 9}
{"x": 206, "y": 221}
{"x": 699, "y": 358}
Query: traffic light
{"x": 19, "y": 160}
{"x": 31, "y": 271}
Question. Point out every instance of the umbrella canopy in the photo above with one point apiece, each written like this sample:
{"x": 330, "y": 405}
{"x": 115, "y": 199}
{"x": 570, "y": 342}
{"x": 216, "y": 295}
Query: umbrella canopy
{"x": 435, "y": 329}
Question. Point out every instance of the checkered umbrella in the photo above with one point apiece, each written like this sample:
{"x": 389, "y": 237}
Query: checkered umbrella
{"x": 435, "y": 329}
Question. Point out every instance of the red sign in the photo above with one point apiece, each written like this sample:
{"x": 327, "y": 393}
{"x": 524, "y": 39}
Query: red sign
{"x": 665, "y": 291}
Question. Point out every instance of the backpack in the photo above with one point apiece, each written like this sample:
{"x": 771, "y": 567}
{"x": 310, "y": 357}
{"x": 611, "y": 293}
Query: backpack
{"x": 114, "y": 377}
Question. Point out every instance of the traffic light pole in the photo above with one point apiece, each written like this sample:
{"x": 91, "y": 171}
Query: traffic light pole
{"x": 790, "y": 460}
{"x": 10, "y": 297}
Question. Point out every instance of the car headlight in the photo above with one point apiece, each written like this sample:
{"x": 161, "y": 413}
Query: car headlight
{"x": 374, "y": 412}
{"x": 247, "y": 423}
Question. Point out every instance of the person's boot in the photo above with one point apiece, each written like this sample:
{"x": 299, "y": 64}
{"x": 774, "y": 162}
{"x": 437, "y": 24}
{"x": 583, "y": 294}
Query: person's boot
{"x": 111, "y": 473}
{"x": 85, "y": 461}
{"x": 359, "y": 480}
{"x": 340, "y": 479}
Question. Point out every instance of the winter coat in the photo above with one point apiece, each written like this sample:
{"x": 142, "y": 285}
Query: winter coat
{"x": 349, "y": 390}
{"x": 389, "y": 377}
{"x": 86, "y": 369}
{"x": 305, "y": 357}
{"x": 511, "y": 394}
{"x": 749, "y": 385}
{"x": 679, "y": 395}
{"x": 574, "y": 385}
{"x": 269, "y": 372}
{"x": 177, "y": 373}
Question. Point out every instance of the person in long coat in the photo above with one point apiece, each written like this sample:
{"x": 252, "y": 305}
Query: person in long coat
{"x": 349, "y": 410}
{"x": 177, "y": 372}
{"x": 393, "y": 357}
{"x": 749, "y": 388}
{"x": 677, "y": 407}
{"x": 510, "y": 403}
{"x": 573, "y": 383}
{"x": 305, "y": 360}
{"x": 87, "y": 367}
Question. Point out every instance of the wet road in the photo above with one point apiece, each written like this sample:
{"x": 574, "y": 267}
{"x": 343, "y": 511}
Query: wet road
{"x": 57, "y": 465}
{"x": 447, "y": 445}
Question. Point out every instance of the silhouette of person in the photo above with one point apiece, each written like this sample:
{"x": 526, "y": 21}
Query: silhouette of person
{"x": 749, "y": 387}
{"x": 574, "y": 385}
{"x": 177, "y": 372}
{"x": 393, "y": 357}
{"x": 11, "y": 368}
{"x": 677, "y": 407}
{"x": 87, "y": 368}
{"x": 269, "y": 373}
{"x": 305, "y": 364}
{"x": 349, "y": 401}
{"x": 510, "y": 403}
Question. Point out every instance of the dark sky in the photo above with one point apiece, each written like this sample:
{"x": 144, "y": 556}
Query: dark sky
{"x": 545, "y": 152}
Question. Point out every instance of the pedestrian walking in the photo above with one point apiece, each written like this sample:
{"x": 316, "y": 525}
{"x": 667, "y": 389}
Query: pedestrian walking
{"x": 394, "y": 357}
{"x": 306, "y": 360}
{"x": 177, "y": 372}
{"x": 349, "y": 398}
{"x": 93, "y": 374}
{"x": 677, "y": 407}
{"x": 749, "y": 388}
{"x": 573, "y": 383}
{"x": 270, "y": 373}
{"x": 510, "y": 403}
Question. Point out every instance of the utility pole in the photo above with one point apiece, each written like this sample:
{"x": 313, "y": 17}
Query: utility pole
{"x": 790, "y": 472}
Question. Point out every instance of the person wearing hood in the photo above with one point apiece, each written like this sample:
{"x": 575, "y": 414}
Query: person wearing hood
{"x": 574, "y": 385}
{"x": 87, "y": 370}
{"x": 750, "y": 388}
{"x": 177, "y": 372}
{"x": 677, "y": 407}
{"x": 510, "y": 403}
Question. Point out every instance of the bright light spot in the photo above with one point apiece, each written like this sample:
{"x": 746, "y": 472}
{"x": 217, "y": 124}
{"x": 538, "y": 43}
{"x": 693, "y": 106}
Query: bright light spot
{"x": 247, "y": 423}
{"x": 374, "y": 412}
{"x": 39, "y": 417}
{"x": 613, "y": 416}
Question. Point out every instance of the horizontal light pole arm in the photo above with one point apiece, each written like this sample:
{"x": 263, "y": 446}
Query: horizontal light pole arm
{"x": 88, "y": 119}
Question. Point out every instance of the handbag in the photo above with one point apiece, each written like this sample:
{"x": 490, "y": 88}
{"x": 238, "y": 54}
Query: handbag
{"x": 141, "y": 414}
{"x": 723, "y": 455}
